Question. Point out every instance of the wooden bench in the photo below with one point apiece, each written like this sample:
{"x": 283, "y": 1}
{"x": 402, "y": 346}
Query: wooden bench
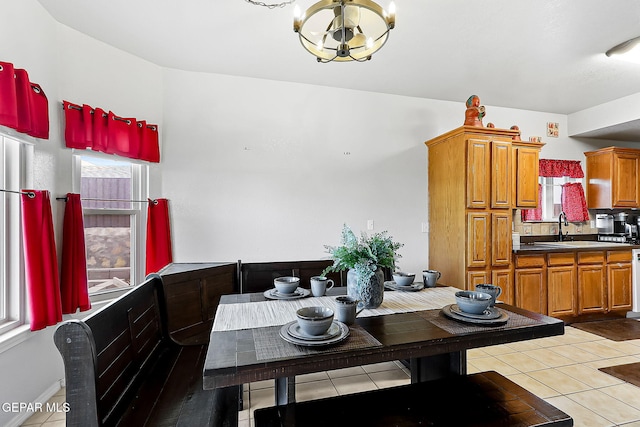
{"x": 123, "y": 369}
{"x": 483, "y": 399}
{"x": 258, "y": 276}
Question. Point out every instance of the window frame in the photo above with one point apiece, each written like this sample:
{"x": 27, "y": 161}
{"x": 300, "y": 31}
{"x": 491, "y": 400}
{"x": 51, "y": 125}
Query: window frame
{"x": 138, "y": 213}
{"x": 547, "y": 196}
{"x": 16, "y": 158}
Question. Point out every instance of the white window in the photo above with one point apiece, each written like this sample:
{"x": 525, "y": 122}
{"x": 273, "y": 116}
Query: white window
{"x": 16, "y": 158}
{"x": 113, "y": 194}
{"x": 551, "y": 199}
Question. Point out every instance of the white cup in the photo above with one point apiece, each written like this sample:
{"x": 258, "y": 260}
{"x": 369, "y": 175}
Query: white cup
{"x": 319, "y": 285}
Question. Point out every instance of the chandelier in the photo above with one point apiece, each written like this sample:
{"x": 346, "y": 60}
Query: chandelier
{"x": 344, "y": 30}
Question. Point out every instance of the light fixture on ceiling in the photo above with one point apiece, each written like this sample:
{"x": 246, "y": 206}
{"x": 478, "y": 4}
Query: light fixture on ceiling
{"x": 344, "y": 30}
{"x": 628, "y": 51}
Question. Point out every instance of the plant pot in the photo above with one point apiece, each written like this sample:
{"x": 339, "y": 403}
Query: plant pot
{"x": 368, "y": 294}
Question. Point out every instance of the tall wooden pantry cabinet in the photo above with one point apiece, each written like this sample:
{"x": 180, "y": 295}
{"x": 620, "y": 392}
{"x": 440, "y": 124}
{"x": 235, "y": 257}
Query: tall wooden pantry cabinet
{"x": 477, "y": 176}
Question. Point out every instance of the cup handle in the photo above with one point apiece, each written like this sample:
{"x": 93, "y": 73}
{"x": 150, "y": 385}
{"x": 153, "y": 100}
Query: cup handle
{"x": 439, "y": 275}
{"x": 499, "y": 292}
{"x": 359, "y": 311}
{"x": 330, "y": 281}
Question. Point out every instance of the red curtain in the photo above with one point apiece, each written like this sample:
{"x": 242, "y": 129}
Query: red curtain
{"x": 108, "y": 133}
{"x": 574, "y": 203}
{"x": 39, "y": 105}
{"x": 41, "y": 264}
{"x": 8, "y": 97}
{"x": 560, "y": 168}
{"x": 158, "y": 236}
{"x": 74, "y": 287}
{"x": 534, "y": 214}
{"x": 23, "y": 105}
{"x": 23, "y": 98}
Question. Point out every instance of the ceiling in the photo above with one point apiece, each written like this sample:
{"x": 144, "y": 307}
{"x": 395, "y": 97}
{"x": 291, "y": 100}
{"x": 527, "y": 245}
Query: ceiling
{"x": 542, "y": 55}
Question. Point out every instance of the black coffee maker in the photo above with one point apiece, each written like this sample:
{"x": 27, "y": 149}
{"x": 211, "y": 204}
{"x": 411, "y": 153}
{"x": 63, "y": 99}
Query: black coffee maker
{"x": 620, "y": 223}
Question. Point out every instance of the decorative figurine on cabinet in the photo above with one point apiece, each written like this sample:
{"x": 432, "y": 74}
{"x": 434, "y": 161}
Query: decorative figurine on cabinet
{"x": 516, "y": 137}
{"x": 475, "y": 112}
{"x": 491, "y": 125}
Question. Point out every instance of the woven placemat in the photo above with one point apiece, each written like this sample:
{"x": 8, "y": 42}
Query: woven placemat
{"x": 458, "y": 327}
{"x": 270, "y": 345}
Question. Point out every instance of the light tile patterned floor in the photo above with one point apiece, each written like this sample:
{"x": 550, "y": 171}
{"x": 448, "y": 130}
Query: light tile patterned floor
{"x": 562, "y": 370}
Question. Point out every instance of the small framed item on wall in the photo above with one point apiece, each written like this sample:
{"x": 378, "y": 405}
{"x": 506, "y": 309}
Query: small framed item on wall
{"x": 552, "y": 129}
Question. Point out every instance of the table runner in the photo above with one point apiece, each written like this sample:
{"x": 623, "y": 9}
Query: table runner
{"x": 277, "y": 312}
{"x": 269, "y": 344}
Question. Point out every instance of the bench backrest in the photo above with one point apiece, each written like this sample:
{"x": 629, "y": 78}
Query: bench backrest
{"x": 107, "y": 355}
{"x": 258, "y": 276}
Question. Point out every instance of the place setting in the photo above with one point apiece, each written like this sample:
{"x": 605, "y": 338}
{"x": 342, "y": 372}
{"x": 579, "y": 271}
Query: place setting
{"x": 286, "y": 288}
{"x": 321, "y": 326}
{"x": 403, "y": 282}
{"x": 477, "y": 307}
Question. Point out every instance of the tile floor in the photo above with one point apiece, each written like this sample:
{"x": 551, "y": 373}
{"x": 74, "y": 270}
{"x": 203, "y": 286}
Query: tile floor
{"x": 562, "y": 370}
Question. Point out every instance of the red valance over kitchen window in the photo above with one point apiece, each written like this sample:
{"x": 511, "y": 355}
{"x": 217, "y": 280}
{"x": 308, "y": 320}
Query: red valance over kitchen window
{"x": 572, "y": 199}
{"x": 86, "y": 127}
{"x": 559, "y": 168}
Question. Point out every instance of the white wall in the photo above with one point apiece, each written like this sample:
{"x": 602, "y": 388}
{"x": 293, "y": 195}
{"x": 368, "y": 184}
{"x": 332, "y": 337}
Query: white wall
{"x": 618, "y": 111}
{"x": 268, "y": 178}
{"x": 68, "y": 65}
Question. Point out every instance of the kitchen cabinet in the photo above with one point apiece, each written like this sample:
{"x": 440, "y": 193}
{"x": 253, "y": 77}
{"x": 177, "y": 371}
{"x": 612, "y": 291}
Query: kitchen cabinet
{"x": 501, "y": 174}
{"x": 471, "y": 181}
{"x": 612, "y": 178}
{"x": 489, "y": 173}
{"x": 501, "y": 240}
{"x": 526, "y": 156}
{"x": 478, "y": 239}
{"x": 504, "y": 279}
{"x": 530, "y": 282}
{"x": 531, "y": 289}
{"x": 619, "y": 293}
{"x": 573, "y": 283}
{"x": 478, "y": 167}
{"x": 562, "y": 286}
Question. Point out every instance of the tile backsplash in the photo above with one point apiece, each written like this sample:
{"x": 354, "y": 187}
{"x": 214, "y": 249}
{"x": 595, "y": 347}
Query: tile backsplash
{"x": 547, "y": 228}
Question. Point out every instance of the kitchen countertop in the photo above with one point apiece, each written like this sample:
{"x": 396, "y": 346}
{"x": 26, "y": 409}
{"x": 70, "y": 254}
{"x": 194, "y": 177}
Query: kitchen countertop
{"x": 572, "y": 246}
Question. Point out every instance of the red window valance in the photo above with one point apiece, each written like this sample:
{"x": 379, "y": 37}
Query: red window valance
{"x": 23, "y": 104}
{"x": 87, "y": 127}
{"x": 559, "y": 168}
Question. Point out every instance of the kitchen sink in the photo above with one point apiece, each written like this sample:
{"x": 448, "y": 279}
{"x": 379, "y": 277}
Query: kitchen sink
{"x": 579, "y": 244}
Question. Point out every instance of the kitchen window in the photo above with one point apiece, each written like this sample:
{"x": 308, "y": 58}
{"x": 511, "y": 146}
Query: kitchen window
{"x": 560, "y": 190}
{"x": 113, "y": 194}
{"x": 551, "y": 197}
{"x": 16, "y": 158}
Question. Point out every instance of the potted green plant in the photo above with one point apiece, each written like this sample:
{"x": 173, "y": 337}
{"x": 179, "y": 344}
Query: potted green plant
{"x": 364, "y": 259}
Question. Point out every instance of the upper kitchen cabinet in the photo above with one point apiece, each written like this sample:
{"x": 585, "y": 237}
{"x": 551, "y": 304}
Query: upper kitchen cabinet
{"x": 526, "y": 156}
{"x": 488, "y": 173}
{"x": 612, "y": 178}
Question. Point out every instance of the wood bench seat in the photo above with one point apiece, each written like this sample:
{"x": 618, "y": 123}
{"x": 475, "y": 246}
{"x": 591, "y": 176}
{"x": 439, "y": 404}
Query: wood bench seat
{"x": 123, "y": 369}
{"x": 482, "y": 399}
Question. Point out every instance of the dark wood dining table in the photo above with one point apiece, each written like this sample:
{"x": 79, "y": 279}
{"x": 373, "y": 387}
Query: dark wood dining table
{"x": 245, "y": 345}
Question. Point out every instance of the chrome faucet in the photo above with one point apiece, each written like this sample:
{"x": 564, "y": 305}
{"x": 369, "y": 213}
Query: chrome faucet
{"x": 566, "y": 223}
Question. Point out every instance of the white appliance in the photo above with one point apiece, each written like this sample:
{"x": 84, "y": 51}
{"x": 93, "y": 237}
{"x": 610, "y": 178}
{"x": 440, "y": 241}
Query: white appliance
{"x": 635, "y": 268}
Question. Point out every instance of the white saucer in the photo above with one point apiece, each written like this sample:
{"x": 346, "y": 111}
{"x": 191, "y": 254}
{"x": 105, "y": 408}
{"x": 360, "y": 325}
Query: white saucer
{"x": 344, "y": 333}
{"x": 298, "y": 293}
